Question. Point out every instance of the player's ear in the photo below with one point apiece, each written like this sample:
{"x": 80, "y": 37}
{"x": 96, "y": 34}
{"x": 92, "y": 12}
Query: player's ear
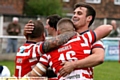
{"x": 58, "y": 32}
{"x": 43, "y": 36}
{"x": 89, "y": 18}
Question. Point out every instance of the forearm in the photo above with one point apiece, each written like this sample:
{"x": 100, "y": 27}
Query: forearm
{"x": 37, "y": 71}
{"x": 93, "y": 60}
{"x": 57, "y": 41}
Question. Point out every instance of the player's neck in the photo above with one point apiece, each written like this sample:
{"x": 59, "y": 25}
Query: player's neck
{"x": 36, "y": 39}
{"x": 54, "y": 34}
{"x": 82, "y": 29}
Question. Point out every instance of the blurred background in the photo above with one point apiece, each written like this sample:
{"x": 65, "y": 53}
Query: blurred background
{"x": 107, "y": 10}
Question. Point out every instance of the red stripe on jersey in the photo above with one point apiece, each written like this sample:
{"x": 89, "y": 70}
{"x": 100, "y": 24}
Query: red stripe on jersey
{"x": 26, "y": 58}
{"x": 77, "y": 48}
{"x": 98, "y": 44}
{"x": 44, "y": 60}
{"x": 89, "y": 74}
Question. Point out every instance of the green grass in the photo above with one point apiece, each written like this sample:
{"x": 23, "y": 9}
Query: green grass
{"x": 109, "y": 70}
{"x": 10, "y": 65}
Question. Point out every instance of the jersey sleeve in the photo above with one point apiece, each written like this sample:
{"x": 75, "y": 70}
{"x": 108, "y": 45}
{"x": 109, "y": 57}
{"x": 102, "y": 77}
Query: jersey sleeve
{"x": 40, "y": 48}
{"x": 92, "y": 39}
{"x": 44, "y": 60}
{"x": 98, "y": 44}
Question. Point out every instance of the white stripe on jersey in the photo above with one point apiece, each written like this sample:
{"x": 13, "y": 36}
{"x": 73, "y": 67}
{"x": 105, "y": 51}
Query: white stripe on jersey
{"x": 86, "y": 41}
{"x": 42, "y": 59}
{"x": 89, "y": 36}
{"x": 33, "y": 59}
{"x": 38, "y": 49}
{"x": 23, "y": 48}
{"x": 37, "y": 72}
{"x": 53, "y": 69}
{"x": 50, "y": 63}
{"x": 76, "y": 75}
{"x": 39, "y": 65}
{"x": 72, "y": 40}
{"x": 34, "y": 51}
{"x": 87, "y": 51}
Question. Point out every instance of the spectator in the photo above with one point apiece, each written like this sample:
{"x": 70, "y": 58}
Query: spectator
{"x": 13, "y": 29}
{"x": 115, "y": 32}
{"x": 4, "y": 71}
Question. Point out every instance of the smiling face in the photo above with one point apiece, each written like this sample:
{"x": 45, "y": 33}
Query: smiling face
{"x": 80, "y": 19}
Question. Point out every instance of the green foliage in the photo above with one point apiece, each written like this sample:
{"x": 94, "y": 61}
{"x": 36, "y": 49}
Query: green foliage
{"x": 43, "y": 7}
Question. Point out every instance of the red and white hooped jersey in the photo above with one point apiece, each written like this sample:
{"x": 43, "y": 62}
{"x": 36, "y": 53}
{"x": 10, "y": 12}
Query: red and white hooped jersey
{"x": 27, "y": 57}
{"x": 77, "y": 48}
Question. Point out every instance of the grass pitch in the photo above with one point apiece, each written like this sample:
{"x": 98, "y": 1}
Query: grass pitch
{"x": 109, "y": 70}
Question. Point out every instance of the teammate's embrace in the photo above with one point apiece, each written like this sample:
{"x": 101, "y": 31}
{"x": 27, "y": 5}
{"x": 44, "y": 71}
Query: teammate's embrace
{"x": 75, "y": 49}
{"x": 29, "y": 53}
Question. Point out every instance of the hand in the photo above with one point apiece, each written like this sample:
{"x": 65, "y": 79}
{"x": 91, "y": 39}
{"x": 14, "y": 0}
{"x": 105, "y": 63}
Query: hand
{"x": 67, "y": 68}
{"x": 11, "y": 30}
{"x": 28, "y": 27}
{"x": 17, "y": 30}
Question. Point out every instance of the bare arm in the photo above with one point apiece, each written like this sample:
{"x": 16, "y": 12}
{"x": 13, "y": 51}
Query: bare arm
{"x": 95, "y": 59}
{"x": 102, "y": 31}
{"x": 38, "y": 71}
{"x": 57, "y": 41}
{"x": 97, "y": 56}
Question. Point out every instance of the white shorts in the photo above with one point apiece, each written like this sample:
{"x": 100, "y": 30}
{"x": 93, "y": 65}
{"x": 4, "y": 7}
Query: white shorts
{"x": 75, "y": 75}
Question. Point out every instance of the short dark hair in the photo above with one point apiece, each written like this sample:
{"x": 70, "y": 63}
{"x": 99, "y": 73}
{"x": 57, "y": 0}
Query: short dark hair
{"x": 53, "y": 19}
{"x": 38, "y": 29}
{"x": 90, "y": 10}
{"x": 65, "y": 25}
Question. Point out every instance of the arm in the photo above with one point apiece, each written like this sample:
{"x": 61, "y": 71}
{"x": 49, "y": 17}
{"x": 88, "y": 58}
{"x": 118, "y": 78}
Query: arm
{"x": 51, "y": 43}
{"x": 95, "y": 59}
{"x": 55, "y": 42}
{"x": 102, "y": 31}
{"x": 38, "y": 71}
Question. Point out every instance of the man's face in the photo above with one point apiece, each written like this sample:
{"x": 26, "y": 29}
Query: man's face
{"x": 47, "y": 26}
{"x": 79, "y": 17}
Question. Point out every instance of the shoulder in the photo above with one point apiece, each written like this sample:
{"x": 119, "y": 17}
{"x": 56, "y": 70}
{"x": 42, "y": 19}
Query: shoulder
{"x": 98, "y": 44}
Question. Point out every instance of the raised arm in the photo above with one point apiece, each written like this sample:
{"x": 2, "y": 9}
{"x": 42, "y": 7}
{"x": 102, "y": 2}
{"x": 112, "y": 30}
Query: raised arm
{"x": 102, "y": 31}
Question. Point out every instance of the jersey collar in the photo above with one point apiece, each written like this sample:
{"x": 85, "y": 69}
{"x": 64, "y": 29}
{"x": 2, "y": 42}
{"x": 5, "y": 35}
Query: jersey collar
{"x": 30, "y": 42}
{"x": 83, "y": 32}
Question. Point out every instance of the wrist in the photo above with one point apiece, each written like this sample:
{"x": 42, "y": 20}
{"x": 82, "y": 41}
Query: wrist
{"x": 75, "y": 64}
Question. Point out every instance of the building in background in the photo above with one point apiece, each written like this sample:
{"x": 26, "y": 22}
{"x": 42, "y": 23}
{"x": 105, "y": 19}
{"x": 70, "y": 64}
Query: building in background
{"x": 106, "y": 10}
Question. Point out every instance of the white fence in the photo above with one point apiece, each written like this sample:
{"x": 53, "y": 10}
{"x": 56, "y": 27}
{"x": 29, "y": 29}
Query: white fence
{"x": 112, "y": 46}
